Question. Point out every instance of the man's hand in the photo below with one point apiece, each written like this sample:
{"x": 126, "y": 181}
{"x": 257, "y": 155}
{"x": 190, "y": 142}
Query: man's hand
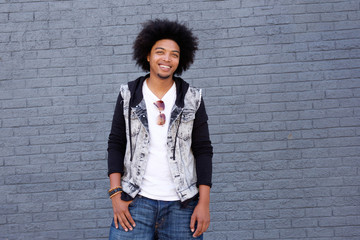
{"x": 122, "y": 214}
{"x": 201, "y": 215}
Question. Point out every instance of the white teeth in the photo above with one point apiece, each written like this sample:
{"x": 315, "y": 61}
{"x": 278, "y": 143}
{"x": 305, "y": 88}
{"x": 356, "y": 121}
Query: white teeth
{"x": 163, "y": 66}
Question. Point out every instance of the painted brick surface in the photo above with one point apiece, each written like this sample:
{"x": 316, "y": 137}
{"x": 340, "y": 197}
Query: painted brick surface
{"x": 281, "y": 83}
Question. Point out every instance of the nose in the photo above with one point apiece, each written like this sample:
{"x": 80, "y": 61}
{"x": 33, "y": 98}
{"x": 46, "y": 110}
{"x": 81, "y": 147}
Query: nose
{"x": 167, "y": 57}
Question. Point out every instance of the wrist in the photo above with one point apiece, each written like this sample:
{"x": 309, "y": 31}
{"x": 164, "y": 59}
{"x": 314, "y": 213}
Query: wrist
{"x": 203, "y": 201}
{"x": 204, "y": 194}
{"x": 116, "y": 197}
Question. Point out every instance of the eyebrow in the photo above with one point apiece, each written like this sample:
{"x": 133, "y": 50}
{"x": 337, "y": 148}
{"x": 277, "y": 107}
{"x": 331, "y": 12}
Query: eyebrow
{"x": 164, "y": 49}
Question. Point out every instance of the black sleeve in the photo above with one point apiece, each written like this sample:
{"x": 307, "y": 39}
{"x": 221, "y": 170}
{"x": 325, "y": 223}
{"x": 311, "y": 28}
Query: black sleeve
{"x": 117, "y": 140}
{"x": 201, "y": 147}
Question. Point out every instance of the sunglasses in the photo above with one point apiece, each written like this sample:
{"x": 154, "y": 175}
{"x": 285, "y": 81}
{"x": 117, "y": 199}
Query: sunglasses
{"x": 161, "y": 107}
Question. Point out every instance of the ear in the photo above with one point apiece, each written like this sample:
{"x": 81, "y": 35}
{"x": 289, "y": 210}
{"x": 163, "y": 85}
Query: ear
{"x": 148, "y": 57}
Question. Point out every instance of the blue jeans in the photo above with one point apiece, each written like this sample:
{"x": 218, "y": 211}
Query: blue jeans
{"x": 157, "y": 220}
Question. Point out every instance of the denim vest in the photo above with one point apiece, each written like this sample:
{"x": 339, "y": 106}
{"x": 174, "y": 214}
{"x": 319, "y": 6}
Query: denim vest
{"x": 179, "y": 139}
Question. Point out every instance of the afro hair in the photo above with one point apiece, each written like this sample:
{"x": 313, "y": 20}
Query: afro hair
{"x": 155, "y": 30}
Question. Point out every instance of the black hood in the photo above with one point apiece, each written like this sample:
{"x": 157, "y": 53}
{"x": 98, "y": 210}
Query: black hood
{"x": 135, "y": 88}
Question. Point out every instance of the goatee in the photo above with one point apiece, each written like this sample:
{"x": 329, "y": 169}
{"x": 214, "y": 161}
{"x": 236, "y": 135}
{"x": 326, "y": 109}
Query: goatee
{"x": 164, "y": 77}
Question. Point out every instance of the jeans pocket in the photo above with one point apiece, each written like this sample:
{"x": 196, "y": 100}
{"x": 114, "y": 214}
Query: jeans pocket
{"x": 191, "y": 204}
{"x": 133, "y": 202}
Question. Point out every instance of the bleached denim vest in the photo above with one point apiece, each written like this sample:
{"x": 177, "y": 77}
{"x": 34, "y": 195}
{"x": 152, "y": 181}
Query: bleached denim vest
{"x": 179, "y": 139}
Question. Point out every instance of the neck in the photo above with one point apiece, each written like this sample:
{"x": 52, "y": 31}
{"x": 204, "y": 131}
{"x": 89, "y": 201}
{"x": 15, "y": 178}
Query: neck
{"x": 159, "y": 86}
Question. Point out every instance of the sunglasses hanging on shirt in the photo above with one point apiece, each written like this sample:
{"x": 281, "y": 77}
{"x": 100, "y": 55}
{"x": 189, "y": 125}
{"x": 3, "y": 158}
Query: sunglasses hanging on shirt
{"x": 161, "y": 107}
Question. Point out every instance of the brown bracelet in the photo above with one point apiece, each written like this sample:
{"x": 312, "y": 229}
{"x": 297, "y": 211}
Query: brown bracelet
{"x": 113, "y": 195}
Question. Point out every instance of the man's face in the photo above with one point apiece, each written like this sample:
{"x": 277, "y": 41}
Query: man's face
{"x": 164, "y": 58}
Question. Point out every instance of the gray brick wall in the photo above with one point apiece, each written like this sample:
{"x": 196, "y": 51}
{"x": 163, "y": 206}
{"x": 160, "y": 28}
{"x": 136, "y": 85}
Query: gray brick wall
{"x": 282, "y": 90}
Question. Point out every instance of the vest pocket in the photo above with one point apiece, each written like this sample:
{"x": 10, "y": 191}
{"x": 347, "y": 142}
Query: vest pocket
{"x": 186, "y": 125}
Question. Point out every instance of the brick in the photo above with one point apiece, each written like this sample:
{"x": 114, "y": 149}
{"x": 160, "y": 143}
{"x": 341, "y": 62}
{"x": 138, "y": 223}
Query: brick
{"x": 320, "y": 232}
{"x": 349, "y": 121}
{"x": 39, "y": 102}
{"x": 331, "y": 142}
{"x": 276, "y": 224}
{"x": 319, "y": 212}
{"x": 44, "y": 217}
{"x": 96, "y": 234}
{"x": 344, "y": 191}
{"x": 269, "y": 126}
{"x": 266, "y": 234}
{"x": 73, "y": 234}
{"x": 43, "y": 197}
{"x": 326, "y": 123}
{"x": 265, "y": 196}
{"x": 29, "y": 208}
{"x": 304, "y": 222}
{"x": 281, "y": 39}
{"x": 293, "y": 233}
{"x": 16, "y": 161}
{"x": 251, "y": 224}
{"x": 253, "y": 21}
{"x": 59, "y": 6}
{"x": 307, "y": 18}
{"x": 84, "y": 204}
{"x": 292, "y": 213}
{"x": 258, "y": 98}
{"x": 255, "y": 3}
{"x": 14, "y": 179}
{"x": 21, "y": 17}
{"x": 332, "y": 222}
{"x": 346, "y": 6}
{"x": 27, "y": 169}
{"x": 345, "y": 25}
{"x": 18, "y": 103}
{"x": 350, "y": 231}
{"x": 338, "y": 16}
{"x": 286, "y": 193}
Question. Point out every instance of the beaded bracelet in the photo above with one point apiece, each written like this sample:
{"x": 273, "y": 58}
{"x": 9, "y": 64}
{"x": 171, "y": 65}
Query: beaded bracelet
{"x": 114, "y": 190}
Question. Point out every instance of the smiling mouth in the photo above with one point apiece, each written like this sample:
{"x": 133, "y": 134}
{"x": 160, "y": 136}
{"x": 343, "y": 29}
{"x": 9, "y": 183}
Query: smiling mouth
{"x": 164, "y": 66}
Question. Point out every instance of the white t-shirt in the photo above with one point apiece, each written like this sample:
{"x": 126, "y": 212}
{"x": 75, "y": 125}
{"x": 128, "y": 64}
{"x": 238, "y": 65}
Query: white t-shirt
{"x": 158, "y": 183}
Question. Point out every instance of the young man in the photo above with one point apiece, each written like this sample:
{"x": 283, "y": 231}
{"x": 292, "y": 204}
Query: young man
{"x": 159, "y": 150}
